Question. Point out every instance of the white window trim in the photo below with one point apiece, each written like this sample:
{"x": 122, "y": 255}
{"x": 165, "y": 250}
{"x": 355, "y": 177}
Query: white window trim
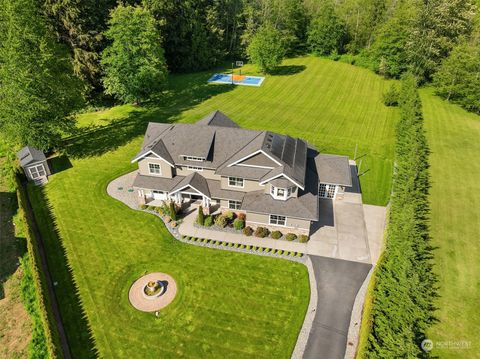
{"x": 37, "y": 171}
{"x": 193, "y": 158}
{"x": 195, "y": 168}
{"x": 236, "y": 186}
{"x": 146, "y": 155}
{"x": 236, "y": 202}
{"x": 154, "y": 173}
{"x": 286, "y": 194}
{"x": 276, "y": 224}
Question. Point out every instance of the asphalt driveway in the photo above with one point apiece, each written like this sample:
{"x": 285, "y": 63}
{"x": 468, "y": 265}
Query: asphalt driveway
{"x": 338, "y": 282}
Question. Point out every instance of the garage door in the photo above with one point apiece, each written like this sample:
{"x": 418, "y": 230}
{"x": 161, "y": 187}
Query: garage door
{"x": 159, "y": 195}
{"x": 327, "y": 190}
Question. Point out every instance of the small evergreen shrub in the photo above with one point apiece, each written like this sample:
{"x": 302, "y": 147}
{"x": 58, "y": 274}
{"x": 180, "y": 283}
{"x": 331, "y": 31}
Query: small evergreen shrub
{"x": 143, "y": 206}
{"x": 391, "y": 97}
{"x": 200, "y": 216}
{"x": 280, "y": 252}
{"x": 208, "y": 221}
{"x": 249, "y": 247}
{"x": 151, "y": 208}
{"x": 276, "y": 235}
{"x": 172, "y": 211}
{"x": 248, "y": 231}
{"x": 291, "y": 236}
{"x": 238, "y": 224}
{"x": 303, "y": 238}
{"x": 261, "y": 232}
{"x": 221, "y": 221}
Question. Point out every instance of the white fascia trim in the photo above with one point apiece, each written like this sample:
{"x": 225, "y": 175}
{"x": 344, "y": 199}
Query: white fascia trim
{"x": 189, "y": 185}
{"x": 283, "y": 175}
{"x": 253, "y": 154}
{"x": 151, "y": 153}
{"x": 242, "y": 165}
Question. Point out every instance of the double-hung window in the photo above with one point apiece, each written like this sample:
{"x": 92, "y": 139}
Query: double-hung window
{"x": 278, "y": 220}
{"x": 37, "y": 171}
{"x": 235, "y": 182}
{"x": 234, "y": 204}
{"x": 154, "y": 169}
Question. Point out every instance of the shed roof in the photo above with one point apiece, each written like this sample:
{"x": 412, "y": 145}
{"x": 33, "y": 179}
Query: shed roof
{"x": 333, "y": 169}
{"x": 29, "y": 155}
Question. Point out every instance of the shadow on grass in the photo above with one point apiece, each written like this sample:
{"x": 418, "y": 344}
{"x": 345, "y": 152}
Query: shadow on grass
{"x": 184, "y": 92}
{"x": 74, "y": 320}
{"x": 11, "y": 247}
{"x": 59, "y": 163}
{"x": 288, "y": 70}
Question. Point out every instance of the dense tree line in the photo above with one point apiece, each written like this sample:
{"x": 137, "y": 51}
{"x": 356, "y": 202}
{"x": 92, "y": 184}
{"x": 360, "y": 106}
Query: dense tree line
{"x": 53, "y": 52}
{"x": 405, "y": 285}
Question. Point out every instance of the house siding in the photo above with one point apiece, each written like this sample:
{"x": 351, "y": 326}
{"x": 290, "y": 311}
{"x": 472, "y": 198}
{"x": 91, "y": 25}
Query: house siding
{"x": 296, "y": 224}
{"x": 248, "y": 185}
{"x": 26, "y": 169}
{"x": 206, "y": 173}
{"x": 165, "y": 168}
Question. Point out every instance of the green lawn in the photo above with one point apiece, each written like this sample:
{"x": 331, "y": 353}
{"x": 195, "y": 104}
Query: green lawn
{"x": 228, "y": 305}
{"x": 454, "y": 139}
{"x": 332, "y": 105}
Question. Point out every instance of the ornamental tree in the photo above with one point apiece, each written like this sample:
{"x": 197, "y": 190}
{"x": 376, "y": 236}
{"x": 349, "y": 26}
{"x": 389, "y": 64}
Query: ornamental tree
{"x": 266, "y": 49}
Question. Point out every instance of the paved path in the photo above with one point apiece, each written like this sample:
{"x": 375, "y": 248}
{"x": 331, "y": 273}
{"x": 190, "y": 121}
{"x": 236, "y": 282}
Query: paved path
{"x": 338, "y": 282}
{"x": 152, "y": 304}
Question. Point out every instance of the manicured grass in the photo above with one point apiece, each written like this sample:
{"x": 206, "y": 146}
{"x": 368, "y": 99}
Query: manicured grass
{"x": 333, "y": 105}
{"x": 454, "y": 139}
{"x": 228, "y": 304}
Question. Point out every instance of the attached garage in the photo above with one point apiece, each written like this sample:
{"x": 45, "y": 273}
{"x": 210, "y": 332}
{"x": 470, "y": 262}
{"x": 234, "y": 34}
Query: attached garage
{"x": 334, "y": 174}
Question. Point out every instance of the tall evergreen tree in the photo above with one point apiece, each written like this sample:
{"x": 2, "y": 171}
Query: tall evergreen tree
{"x": 80, "y": 25}
{"x": 38, "y": 88}
{"x": 134, "y": 62}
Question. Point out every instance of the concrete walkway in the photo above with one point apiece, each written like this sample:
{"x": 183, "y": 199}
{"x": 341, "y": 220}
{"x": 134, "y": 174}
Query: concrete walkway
{"x": 338, "y": 282}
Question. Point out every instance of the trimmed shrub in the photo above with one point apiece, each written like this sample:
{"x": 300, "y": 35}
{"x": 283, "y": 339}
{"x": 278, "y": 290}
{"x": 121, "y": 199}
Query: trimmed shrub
{"x": 174, "y": 224}
{"x": 280, "y": 252}
{"x": 303, "y": 238}
{"x": 208, "y": 221}
{"x": 200, "y": 216}
{"x": 261, "y": 232}
{"x": 276, "y": 235}
{"x": 167, "y": 219}
{"x": 228, "y": 215}
{"x": 151, "y": 208}
{"x": 221, "y": 221}
{"x": 248, "y": 231}
{"x": 143, "y": 206}
{"x": 291, "y": 236}
{"x": 172, "y": 211}
{"x": 249, "y": 247}
{"x": 241, "y": 216}
{"x": 238, "y": 224}
{"x": 391, "y": 97}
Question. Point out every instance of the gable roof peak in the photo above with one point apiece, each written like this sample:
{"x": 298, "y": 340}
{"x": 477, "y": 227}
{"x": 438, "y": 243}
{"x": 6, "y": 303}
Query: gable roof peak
{"x": 219, "y": 119}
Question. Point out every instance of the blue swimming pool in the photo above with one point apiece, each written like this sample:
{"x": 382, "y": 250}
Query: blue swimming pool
{"x": 227, "y": 79}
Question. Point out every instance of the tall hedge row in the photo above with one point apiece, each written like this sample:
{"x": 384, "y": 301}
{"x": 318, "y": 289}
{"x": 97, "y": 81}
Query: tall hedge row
{"x": 405, "y": 285}
{"x": 45, "y": 341}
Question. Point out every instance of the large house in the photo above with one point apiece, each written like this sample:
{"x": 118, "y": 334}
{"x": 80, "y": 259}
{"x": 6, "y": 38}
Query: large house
{"x": 275, "y": 179}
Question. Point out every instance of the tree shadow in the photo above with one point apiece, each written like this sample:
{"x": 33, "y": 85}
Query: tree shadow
{"x": 59, "y": 163}
{"x": 74, "y": 319}
{"x": 183, "y": 93}
{"x": 11, "y": 247}
{"x": 288, "y": 70}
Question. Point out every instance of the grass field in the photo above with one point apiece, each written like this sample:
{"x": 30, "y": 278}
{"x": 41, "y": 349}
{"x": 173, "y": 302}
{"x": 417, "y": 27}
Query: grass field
{"x": 333, "y": 105}
{"x": 454, "y": 139}
{"x": 229, "y": 304}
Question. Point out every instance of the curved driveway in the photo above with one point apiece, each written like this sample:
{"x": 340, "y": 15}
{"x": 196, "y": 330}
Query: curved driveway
{"x": 338, "y": 282}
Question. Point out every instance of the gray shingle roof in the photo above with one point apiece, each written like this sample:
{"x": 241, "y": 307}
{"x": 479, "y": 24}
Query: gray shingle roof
{"x": 28, "y": 155}
{"x": 217, "y": 118}
{"x": 195, "y": 181}
{"x": 333, "y": 169}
